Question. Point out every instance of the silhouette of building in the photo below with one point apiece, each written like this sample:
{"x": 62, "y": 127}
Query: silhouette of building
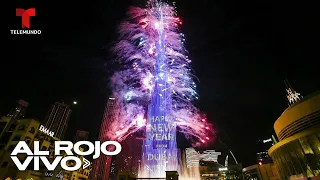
{"x": 57, "y": 119}
{"x": 81, "y": 136}
{"x": 9, "y": 124}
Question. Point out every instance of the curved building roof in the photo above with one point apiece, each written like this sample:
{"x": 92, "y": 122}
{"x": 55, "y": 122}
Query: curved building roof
{"x": 302, "y": 115}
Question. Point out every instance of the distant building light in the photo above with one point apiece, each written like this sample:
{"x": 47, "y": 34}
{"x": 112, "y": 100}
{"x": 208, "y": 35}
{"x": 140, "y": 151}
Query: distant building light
{"x": 267, "y": 140}
{"x": 223, "y": 169}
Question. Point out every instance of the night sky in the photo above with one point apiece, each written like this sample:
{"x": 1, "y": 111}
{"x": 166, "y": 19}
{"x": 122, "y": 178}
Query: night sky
{"x": 242, "y": 51}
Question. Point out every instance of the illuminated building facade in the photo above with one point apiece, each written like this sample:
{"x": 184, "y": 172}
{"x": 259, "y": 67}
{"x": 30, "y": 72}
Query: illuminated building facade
{"x": 210, "y": 170}
{"x": 57, "y": 119}
{"x": 156, "y": 88}
{"x": 80, "y": 174}
{"x": 169, "y": 175}
{"x": 102, "y": 165}
{"x": 59, "y": 173}
{"x": 25, "y": 130}
{"x": 204, "y": 164}
{"x": 261, "y": 172}
{"x": 29, "y": 130}
{"x": 297, "y": 154}
{"x": 160, "y": 152}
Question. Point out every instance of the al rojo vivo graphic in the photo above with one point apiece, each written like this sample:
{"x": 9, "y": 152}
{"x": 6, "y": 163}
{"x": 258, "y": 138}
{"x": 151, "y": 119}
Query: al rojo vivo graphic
{"x": 64, "y": 151}
{"x": 25, "y": 18}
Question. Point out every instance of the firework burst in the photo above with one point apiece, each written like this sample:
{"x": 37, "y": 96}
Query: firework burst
{"x": 142, "y": 76}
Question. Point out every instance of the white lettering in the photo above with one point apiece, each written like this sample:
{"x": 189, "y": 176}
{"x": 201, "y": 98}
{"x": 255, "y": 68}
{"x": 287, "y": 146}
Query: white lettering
{"x": 37, "y": 149}
{"x": 46, "y": 131}
{"x": 25, "y": 31}
{"x": 161, "y": 157}
{"x": 53, "y": 165}
{"x": 115, "y": 152}
{"x": 21, "y": 148}
{"x": 97, "y": 154}
{"x": 77, "y": 145}
{"x": 160, "y": 137}
{"x": 162, "y": 128}
{"x": 36, "y": 163}
{"x": 68, "y": 168}
{"x": 67, "y": 149}
{"x": 150, "y": 157}
{"x": 160, "y": 118}
{"x": 22, "y": 166}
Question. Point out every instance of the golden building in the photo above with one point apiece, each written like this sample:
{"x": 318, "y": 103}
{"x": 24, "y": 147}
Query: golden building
{"x": 28, "y": 130}
{"x": 59, "y": 173}
{"x": 80, "y": 174}
{"x": 215, "y": 171}
{"x": 261, "y": 172}
{"x": 22, "y": 130}
{"x": 297, "y": 154}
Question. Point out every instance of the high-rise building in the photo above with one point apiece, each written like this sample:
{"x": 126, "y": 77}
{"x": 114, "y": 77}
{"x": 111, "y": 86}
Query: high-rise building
{"x": 81, "y": 136}
{"x": 101, "y": 166}
{"x": 57, "y": 119}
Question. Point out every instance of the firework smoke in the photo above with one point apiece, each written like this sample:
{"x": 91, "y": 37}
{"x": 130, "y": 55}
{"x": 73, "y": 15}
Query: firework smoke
{"x": 134, "y": 83}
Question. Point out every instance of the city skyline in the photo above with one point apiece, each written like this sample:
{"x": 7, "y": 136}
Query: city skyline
{"x": 240, "y": 88}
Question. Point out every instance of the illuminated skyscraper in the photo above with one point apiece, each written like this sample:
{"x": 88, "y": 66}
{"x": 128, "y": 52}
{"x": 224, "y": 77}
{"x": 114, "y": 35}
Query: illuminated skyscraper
{"x": 101, "y": 166}
{"x": 156, "y": 88}
{"x": 57, "y": 119}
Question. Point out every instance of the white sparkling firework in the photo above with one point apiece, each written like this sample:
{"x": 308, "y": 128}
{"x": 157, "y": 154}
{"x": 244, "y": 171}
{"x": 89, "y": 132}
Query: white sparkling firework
{"x": 293, "y": 96}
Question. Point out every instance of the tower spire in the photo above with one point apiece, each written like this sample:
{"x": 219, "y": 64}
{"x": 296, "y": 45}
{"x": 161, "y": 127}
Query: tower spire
{"x": 292, "y": 95}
